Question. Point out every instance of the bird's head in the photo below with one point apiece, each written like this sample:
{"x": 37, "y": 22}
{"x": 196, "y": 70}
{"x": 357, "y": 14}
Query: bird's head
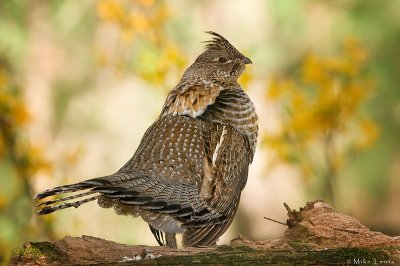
{"x": 221, "y": 61}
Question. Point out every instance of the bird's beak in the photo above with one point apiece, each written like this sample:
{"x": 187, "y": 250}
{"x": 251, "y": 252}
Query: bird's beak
{"x": 246, "y": 61}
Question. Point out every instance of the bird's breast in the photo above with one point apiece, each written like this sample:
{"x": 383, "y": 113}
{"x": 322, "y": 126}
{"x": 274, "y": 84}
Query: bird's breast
{"x": 233, "y": 107}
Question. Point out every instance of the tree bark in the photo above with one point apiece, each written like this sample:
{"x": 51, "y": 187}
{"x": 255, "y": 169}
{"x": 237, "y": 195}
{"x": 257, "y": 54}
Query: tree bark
{"x": 316, "y": 234}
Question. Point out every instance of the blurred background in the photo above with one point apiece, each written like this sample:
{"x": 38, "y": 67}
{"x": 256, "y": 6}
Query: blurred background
{"x": 81, "y": 81}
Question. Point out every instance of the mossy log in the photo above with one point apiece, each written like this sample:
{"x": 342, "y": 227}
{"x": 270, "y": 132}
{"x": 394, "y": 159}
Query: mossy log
{"x": 316, "y": 235}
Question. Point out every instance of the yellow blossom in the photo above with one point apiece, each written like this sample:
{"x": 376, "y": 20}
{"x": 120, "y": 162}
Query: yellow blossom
{"x": 369, "y": 133}
{"x": 321, "y": 104}
{"x": 36, "y": 160}
{"x": 273, "y": 90}
{"x": 110, "y": 10}
{"x": 127, "y": 34}
{"x": 139, "y": 22}
{"x": 162, "y": 14}
{"x": 3, "y": 202}
{"x": 3, "y": 77}
{"x": 354, "y": 50}
{"x": 101, "y": 57}
{"x": 246, "y": 78}
{"x": 174, "y": 54}
{"x": 146, "y": 3}
{"x": 142, "y": 43}
{"x": 312, "y": 70}
{"x": 279, "y": 87}
{"x": 281, "y": 149}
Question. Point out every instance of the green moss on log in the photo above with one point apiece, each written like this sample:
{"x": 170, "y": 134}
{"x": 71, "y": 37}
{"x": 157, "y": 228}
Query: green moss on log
{"x": 40, "y": 250}
{"x": 247, "y": 256}
{"x": 233, "y": 255}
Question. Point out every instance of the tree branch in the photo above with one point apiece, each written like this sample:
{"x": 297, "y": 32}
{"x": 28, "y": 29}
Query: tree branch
{"x": 316, "y": 234}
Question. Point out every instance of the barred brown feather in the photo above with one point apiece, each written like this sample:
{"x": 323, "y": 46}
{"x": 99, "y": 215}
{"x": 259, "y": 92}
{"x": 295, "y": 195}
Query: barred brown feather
{"x": 188, "y": 172}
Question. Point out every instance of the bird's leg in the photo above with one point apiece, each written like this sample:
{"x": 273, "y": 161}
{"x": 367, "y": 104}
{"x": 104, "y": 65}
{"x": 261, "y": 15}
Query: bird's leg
{"x": 171, "y": 240}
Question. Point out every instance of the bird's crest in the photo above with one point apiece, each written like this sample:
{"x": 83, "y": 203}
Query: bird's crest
{"x": 220, "y": 43}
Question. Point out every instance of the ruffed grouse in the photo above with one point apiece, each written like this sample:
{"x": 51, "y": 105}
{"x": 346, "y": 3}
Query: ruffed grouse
{"x": 192, "y": 163}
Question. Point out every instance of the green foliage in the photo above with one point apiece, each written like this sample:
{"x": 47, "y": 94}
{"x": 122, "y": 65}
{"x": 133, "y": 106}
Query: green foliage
{"x": 145, "y": 46}
{"x": 19, "y": 161}
{"x": 40, "y": 250}
{"x": 322, "y": 126}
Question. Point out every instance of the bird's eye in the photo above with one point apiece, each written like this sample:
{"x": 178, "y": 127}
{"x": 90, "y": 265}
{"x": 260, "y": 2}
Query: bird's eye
{"x": 222, "y": 59}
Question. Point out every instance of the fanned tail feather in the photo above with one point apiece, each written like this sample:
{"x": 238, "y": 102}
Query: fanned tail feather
{"x": 46, "y": 203}
{"x": 67, "y": 201}
{"x": 76, "y": 204}
{"x": 62, "y": 190}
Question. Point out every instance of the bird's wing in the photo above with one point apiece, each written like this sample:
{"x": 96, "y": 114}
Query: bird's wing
{"x": 227, "y": 158}
{"x": 192, "y": 169}
{"x": 163, "y": 175}
{"x": 166, "y": 171}
{"x": 174, "y": 159}
{"x": 191, "y": 99}
{"x": 227, "y": 153}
